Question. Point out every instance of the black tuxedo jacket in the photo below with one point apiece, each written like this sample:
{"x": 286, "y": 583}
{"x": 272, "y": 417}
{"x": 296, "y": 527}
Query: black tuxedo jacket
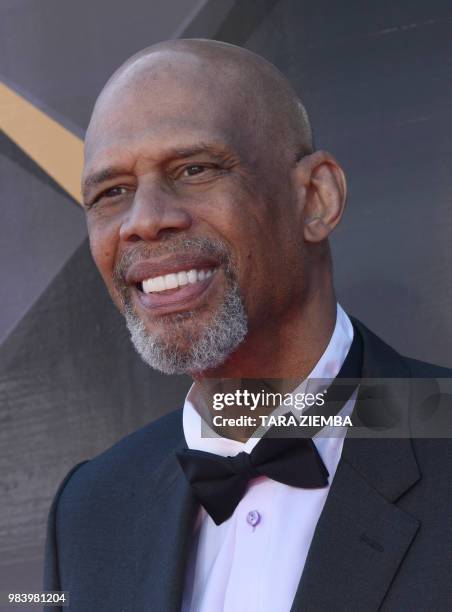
{"x": 120, "y": 525}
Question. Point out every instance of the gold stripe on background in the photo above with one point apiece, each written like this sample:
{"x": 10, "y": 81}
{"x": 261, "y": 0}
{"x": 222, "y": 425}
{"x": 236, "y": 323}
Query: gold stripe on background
{"x": 50, "y": 145}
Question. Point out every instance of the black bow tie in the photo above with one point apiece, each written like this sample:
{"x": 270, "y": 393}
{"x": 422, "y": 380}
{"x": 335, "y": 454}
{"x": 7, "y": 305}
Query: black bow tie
{"x": 219, "y": 483}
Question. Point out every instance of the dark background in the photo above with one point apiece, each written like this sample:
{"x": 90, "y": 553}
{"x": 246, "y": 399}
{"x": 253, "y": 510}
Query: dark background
{"x": 376, "y": 79}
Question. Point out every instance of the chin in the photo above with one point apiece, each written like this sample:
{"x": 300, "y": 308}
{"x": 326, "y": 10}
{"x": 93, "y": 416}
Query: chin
{"x": 188, "y": 343}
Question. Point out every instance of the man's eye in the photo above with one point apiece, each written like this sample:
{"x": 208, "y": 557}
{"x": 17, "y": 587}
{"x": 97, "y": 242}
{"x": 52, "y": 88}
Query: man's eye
{"x": 194, "y": 169}
{"x": 113, "y": 191}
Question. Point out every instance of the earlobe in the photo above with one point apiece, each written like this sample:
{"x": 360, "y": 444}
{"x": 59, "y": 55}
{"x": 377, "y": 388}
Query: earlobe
{"x": 315, "y": 229}
{"x": 325, "y": 195}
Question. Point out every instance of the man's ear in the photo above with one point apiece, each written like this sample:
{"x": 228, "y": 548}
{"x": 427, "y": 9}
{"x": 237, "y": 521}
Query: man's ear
{"x": 323, "y": 190}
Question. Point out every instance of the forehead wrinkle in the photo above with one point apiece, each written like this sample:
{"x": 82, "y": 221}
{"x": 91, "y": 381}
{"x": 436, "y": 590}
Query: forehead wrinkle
{"x": 214, "y": 148}
{"x": 123, "y": 129}
{"x": 133, "y": 126}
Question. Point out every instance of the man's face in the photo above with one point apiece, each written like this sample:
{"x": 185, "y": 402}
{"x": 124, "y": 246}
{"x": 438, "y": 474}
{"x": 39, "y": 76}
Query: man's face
{"x": 190, "y": 213}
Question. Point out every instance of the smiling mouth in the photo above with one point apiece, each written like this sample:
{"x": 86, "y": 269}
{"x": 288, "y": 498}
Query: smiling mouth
{"x": 174, "y": 281}
{"x": 176, "y": 291}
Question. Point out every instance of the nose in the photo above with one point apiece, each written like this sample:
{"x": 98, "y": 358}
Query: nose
{"x": 153, "y": 213}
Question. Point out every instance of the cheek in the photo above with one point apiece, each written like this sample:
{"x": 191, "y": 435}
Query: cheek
{"x": 103, "y": 247}
{"x": 269, "y": 261}
{"x": 254, "y": 258}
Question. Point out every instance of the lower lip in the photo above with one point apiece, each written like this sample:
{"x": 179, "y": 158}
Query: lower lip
{"x": 175, "y": 299}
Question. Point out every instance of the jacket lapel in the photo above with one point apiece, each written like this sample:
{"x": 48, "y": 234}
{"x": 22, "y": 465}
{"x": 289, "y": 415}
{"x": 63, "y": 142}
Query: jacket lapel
{"x": 359, "y": 543}
{"x": 166, "y": 511}
{"x": 362, "y": 536}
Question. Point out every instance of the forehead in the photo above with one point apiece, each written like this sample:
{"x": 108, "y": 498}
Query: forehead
{"x": 169, "y": 102}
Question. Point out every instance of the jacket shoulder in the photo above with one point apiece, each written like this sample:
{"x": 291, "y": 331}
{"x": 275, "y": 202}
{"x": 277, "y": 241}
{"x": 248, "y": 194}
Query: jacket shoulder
{"x": 382, "y": 361}
{"x": 423, "y": 369}
{"x": 92, "y": 514}
{"x": 127, "y": 461}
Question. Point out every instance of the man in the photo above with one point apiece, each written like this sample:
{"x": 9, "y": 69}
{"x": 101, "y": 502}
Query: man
{"x": 209, "y": 213}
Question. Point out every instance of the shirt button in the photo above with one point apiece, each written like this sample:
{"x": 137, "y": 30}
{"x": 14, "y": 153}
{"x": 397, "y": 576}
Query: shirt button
{"x": 253, "y": 518}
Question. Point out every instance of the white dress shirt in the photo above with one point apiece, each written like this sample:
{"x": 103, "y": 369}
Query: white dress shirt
{"x": 253, "y": 561}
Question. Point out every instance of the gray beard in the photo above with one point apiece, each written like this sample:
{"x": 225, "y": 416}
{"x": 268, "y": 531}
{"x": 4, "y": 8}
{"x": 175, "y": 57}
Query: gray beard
{"x": 202, "y": 348}
{"x": 209, "y": 349}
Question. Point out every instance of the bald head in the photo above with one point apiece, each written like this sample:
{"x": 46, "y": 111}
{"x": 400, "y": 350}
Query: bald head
{"x": 228, "y": 78}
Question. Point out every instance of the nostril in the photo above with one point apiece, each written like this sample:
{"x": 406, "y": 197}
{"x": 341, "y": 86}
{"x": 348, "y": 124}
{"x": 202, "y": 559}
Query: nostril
{"x": 133, "y": 238}
{"x": 167, "y": 233}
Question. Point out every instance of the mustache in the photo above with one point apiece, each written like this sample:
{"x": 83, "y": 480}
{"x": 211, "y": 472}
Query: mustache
{"x": 194, "y": 246}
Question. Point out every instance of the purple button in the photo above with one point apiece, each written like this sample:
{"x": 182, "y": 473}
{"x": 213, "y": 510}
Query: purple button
{"x": 253, "y": 518}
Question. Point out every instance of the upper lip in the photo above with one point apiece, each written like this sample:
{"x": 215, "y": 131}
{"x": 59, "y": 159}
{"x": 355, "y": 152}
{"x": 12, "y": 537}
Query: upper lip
{"x": 143, "y": 270}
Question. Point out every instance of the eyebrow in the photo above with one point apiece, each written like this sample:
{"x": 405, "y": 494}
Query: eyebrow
{"x": 96, "y": 178}
{"x": 111, "y": 172}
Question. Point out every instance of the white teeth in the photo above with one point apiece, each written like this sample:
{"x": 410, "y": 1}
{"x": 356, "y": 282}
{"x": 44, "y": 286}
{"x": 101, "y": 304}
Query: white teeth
{"x": 174, "y": 280}
{"x": 171, "y": 281}
{"x": 182, "y": 278}
{"x": 192, "y": 276}
{"x": 158, "y": 284}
